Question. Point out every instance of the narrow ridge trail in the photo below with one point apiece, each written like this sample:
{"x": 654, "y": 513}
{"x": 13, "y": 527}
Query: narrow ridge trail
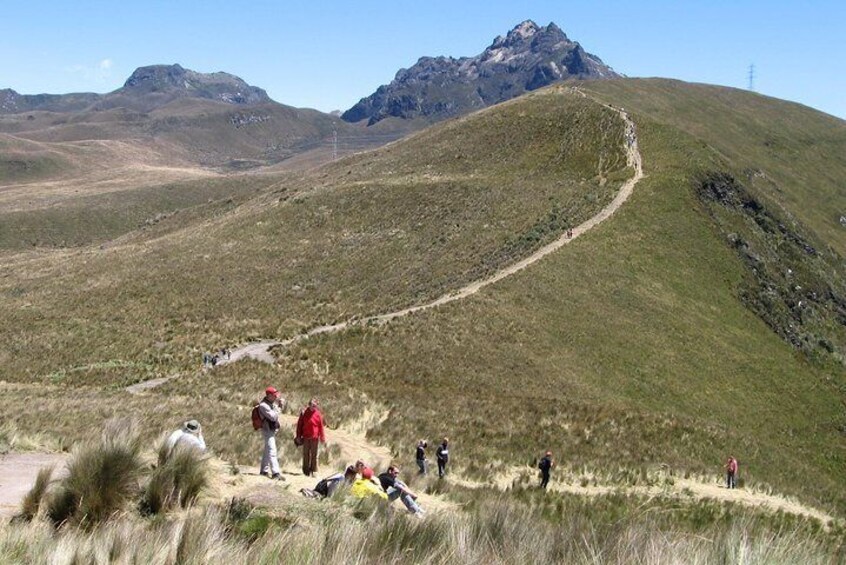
{"x": 260, "y": 350}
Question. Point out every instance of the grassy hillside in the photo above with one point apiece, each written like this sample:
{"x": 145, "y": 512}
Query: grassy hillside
{"x": 630, "y": 348}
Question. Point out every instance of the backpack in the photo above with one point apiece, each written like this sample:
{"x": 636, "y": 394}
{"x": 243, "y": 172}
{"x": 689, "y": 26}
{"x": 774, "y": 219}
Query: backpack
{"x": 258, "y": 421}
{"x": 322, "y": 488}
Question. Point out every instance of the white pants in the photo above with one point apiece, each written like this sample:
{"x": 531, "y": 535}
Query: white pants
{"x": 268, "y": 456}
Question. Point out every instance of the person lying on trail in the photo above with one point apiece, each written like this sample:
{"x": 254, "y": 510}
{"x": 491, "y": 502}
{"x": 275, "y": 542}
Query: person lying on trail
{"x": 309, "y": 433}
{"x": 420, "y": 457}
{"x": 364, "y": 487}
{"x": 189, "y": 436}
{"x": 545, "y": 465}
{"x": 442, "y": 454}
{"x": 269, "y": 410}
{"x": 330, "y": 485}
{"x": 395, "y": 489}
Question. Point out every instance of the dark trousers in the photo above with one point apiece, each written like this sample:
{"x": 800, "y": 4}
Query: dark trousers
{"x": 544, "y": 479}
{"x": 731, "y": 480}
{"x": 309, "y": 456}
{"x": 441, "y": 467}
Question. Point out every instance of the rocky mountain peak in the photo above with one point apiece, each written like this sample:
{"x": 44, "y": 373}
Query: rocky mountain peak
{"x": 528, "y": 57}
{"x": 178, "y": 81}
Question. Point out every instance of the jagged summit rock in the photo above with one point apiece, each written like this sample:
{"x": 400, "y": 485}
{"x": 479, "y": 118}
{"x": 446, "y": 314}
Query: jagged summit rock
{"x": 526, "y": 58}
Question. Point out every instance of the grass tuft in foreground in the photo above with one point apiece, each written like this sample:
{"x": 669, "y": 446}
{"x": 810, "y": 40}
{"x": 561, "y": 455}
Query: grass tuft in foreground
{"x": 102, "y": 479}
{"x": 178, "y": 479}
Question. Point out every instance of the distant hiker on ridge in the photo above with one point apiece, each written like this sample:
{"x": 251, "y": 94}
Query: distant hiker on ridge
{"x": 420, "y": 457}
{"x": 545, "y": 465}
{"x": 309, "y": 433}
{"x": 442, "y": 455}
{"x": 268, "y": 411}
{"x": 731, "y": 472}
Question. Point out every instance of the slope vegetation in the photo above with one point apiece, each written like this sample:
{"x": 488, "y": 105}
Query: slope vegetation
{"x": 634, "y": 346}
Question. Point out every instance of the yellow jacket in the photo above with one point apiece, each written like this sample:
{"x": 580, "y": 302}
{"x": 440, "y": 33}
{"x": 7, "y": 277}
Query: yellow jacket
{"x": 362, "y": 488}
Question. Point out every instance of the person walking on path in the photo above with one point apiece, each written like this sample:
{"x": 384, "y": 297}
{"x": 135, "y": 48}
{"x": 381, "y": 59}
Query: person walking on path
{"x": 190, "y": 435}
{"x": 420, "y": 457}
{"x": 395, "y": 489}
{"x": 545, "y": 465}
{"x": 442, "y": 454}
{"x": 269, "y": 410}
{"x": 731, "y": 472}
{"x": 309, "y": 434}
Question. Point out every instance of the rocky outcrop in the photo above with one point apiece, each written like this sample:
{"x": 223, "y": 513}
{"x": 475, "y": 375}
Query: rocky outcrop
{"x": 527, "y": 58}
{"x": 178, "y": 81}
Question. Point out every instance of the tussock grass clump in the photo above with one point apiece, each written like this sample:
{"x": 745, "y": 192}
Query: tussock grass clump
{"x": 102, "y": 477}
{"x": 178, "y": 479}
{"x": 494, "y": 529}
{"x": 33, "y": 499}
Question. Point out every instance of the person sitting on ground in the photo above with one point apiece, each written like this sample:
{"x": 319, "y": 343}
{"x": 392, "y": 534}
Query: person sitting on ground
{"x": 330, "y": 485}
{"x": 545, "y": 465}
{"x": 420, "y": 457}
{"x": 395, "y": 489}
{"x": 189, "y": 436}
{"x": 442, "y": 455}
{"x": 364, "y": 487}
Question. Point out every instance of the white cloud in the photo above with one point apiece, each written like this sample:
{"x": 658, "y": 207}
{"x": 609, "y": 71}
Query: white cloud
{"x": 99, "y": 72}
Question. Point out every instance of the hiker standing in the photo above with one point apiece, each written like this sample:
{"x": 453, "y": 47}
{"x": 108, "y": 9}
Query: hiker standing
{"x": 269, "y": 409}
{"x": 442, "y": 455}
{"x": 309, "y": 434}
{"x": 731, "y": 473}
{"x": 420, "y": 457}
{"x": 545, "y": 465}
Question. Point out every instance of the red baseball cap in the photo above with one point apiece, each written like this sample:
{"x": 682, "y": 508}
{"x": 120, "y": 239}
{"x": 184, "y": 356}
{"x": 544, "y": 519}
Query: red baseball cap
{"x": 271, "y": 390}
{"x": 367, "y": 473}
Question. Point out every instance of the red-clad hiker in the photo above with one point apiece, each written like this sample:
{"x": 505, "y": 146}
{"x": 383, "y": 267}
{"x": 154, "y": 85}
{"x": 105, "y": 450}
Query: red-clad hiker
{"x": 309, "y": 434}
{"x": 731, "y": 473}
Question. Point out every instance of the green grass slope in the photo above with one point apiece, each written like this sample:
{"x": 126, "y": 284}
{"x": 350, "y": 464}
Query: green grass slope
{"x": 370, "y": 233}
{"x": 636, "y": 345}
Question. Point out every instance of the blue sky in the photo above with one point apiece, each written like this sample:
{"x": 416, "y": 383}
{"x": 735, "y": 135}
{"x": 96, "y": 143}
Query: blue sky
{"x": 327, "y": 55}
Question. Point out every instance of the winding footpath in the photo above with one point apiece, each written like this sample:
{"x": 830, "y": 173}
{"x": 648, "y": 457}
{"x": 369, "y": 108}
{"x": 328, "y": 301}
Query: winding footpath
{"x": 260, "y": 350}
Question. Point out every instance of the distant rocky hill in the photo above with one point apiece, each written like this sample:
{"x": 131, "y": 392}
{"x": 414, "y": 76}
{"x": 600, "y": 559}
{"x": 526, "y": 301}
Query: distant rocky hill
{"x": 527, "y": 58}
{"x": 148, "y": 88}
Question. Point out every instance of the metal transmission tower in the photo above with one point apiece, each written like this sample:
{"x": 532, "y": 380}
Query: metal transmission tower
{"x": 752, "y": 77}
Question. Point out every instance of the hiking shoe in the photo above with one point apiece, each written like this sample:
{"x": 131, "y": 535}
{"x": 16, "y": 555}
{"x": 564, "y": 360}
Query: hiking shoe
{"x": 264, "y": 473}
{"x": 277, "y": 477}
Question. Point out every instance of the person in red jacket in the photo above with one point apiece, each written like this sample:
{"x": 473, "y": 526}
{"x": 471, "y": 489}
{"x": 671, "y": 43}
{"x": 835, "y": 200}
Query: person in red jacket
{"x": 731, "y": 472}
{"x": 309, "y": 434}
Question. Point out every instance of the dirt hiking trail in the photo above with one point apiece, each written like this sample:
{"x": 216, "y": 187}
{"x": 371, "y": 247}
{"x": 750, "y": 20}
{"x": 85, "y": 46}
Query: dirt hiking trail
{"x": 18, "y": 472}
{"x": 17, "y": 475}
{"x": 260, "y": 350}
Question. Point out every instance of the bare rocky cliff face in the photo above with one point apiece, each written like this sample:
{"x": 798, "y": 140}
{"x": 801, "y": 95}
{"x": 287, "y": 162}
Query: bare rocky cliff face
{"x": 527, "y": 58}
